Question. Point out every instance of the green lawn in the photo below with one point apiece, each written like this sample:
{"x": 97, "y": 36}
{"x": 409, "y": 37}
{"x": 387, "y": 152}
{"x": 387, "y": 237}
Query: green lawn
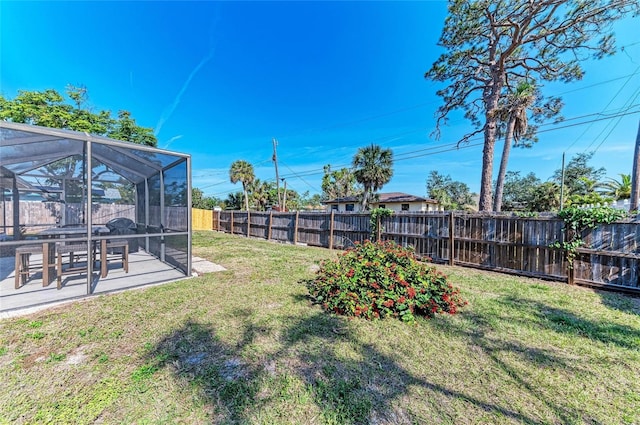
{"x": 246, "y": 346}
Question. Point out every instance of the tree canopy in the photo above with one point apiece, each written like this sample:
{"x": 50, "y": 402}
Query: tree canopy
{"x": 49, "y": 108}
{"x": 491, "y": 44}
{"x": 199, "y": 200}
{"x": 580, "y": 178}
{"x": 519, "y": 191}
{"x": 338, "y": 183}
{"x": 451, "y": 195}
{"x": 583, "y": 185}
{"x": 617, "y": 189}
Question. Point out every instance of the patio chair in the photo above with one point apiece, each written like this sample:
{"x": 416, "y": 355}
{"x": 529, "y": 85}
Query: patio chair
{"x": 115, "y": 251}
{"x": 77, "y": 255}
{"x": 24, "y": 267}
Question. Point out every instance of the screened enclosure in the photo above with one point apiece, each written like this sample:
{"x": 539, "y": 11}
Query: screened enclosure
{"x": 61, "y": 187}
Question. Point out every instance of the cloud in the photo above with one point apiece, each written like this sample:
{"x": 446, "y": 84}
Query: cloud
{"x": 166, "y": 114}
{"x": 171, "y": 108}
{"x": 171, "y": 140}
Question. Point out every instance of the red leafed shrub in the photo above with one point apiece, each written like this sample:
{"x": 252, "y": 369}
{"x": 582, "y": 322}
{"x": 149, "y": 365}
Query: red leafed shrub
{"x": 380, "y": 279}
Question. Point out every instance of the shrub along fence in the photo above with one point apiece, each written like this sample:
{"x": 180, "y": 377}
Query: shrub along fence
{"x": 609, "y": 258}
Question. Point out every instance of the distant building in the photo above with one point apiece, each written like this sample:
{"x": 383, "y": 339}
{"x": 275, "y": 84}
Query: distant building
{"x": 396, "y": 201}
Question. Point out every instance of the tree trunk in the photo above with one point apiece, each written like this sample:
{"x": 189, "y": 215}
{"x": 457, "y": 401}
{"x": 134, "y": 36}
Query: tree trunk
{"x": 506, "y": 150}
{"x": 246, "y": 197}
{"x": 491, "y": 97}
{"x": 635, "y": 175}
{"x": 485, "y": 203}
{"x": 365, "y": 199}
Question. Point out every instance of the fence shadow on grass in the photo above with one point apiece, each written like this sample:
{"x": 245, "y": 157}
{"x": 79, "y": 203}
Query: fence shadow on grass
{"x": 357, "y": 389}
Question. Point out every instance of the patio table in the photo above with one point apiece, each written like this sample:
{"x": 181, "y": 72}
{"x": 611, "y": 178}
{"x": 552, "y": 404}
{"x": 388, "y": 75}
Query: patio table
{"x": 54, "y": 234}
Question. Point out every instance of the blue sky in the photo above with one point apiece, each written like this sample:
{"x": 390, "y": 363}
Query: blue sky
{"x": 220, "y": 80}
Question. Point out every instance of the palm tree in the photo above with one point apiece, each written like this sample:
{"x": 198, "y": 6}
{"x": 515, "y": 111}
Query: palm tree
{"x": 242, "y": 171}
{"x": 373, "y": 169}
{"x": 338, "y": 183}
{"x": 618, "y": 189}
{"x": 515, "y": 112}
{"x": 260, "y": 194}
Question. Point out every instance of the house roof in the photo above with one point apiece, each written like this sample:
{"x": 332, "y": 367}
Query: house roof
{"x": 385, "y": 198}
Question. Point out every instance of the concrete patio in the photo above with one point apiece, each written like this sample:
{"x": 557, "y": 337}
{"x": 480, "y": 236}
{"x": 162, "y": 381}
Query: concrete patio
{"x": 144, "y": 270}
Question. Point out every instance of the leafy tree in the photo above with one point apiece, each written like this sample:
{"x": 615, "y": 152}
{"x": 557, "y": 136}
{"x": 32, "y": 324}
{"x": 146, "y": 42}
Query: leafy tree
{"x": 260, "y": 194}
{"x": 197, "y": 196}
{"x": 198, "y": 200}
{"x": 290, "y": 199}
{"x": 310, "y": 201}
{"x": 591, "y": 198}
{"x": 125, "y": 128}
{"x": 579, "y": 177}
{"x": 242, "y": 171}
{"x": 519, "y": 192}
{"x": 338, "y": 183}
{"x": 491, "y": 44}
{"x": 617, "y": 189}
{"x": 373, "y": 169}
{"x": 234, "y": 201}
{"x": 546, "y": 197}
{"x": 452, "y": 195}
{"x": 49, "y": 108}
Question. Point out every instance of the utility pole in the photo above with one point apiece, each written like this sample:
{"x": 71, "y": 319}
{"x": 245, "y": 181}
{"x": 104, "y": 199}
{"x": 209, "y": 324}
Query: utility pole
{"x": 284, "y": 196}
{"x": 635, "y": 175}
{"x": 275, "y": 161}
{"x": 562, "y": 184}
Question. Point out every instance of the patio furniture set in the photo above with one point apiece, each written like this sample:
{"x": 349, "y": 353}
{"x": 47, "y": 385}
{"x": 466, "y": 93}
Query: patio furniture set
{"x": 63, "y": 254}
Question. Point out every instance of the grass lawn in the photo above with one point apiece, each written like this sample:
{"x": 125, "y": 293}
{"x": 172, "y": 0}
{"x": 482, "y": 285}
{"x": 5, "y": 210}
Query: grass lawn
{"x": 246, "y": 346}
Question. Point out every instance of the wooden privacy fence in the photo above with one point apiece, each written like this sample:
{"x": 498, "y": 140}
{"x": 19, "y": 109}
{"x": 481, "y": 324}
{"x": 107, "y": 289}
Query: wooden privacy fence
{"x": 610, "y": 257}
{"x": 47, "y": 214}
{"x": 38, "y": 215}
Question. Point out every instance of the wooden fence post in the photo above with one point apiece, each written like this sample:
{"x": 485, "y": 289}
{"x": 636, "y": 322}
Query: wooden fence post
{"x": 232, "y": 222}
{"x": 570, "y": 235}
{"x": 571, "y": 274}
{"x": 269, "y": 230}
{"x": 295, "y": 229}
{"x": 451, "y": 239}
{"x": 331, "y": 230}
{"x": 248, "y": 223}
{"x": 378, "y": 228}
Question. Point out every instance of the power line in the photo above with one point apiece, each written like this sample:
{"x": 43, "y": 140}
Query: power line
{"x": 637, "y": 94}
{"x": 348, "y": 123}
{"x": 606, "y": 106}
{"x": 449, "y": 147}
{"x": 299, "y": 176}
{"x": 444, "y": 147}
{"x": 454, "y": 146}
{"x": 405, "y": 133}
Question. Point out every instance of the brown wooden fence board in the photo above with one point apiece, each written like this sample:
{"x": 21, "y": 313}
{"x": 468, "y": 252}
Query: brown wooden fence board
{"x": 313, "y": 229}
{"x": 259, "y": 227}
